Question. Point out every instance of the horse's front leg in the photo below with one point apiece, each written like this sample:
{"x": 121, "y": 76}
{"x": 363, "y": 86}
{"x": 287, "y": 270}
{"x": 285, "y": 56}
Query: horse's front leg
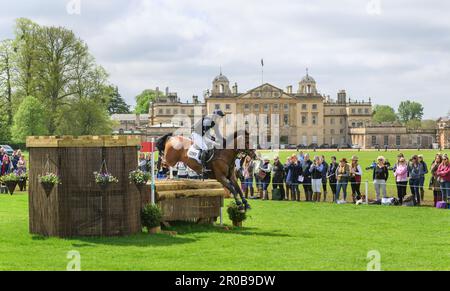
{"x": 241, "y": 194}
{"x": 228, "y": 184}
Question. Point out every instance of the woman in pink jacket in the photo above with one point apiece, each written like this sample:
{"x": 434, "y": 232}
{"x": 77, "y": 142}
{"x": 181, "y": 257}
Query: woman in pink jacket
{"x": 401, "y": 177}
{"x": 443, "y": 173}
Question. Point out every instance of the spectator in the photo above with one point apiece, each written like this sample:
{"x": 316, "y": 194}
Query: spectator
{"x": 331, "y": 174}
{"x": 182, "y": 171}
{"x": 414, "y": 170}
{"x": 380, "y": 176}
{"x": 301, "y": 157}
{"x": 435, "y": 184}
{"x": 278, "y": 176}
{"x": 401, "y": 178}
{"x": 342, "y": 176}
{"x": 324, "y": 178}
{"x": 247, "y": 172}
{"x": 142, "y": 163}
{"x": 306, "y": 165}
{"x": 294, "y": 177}
{"x": 423, "y": 171}
{"x": 15, "y": 158}
{"x": 355, "y": 179}
{"x": 316, "y": 171}
{"x": 443, "y": 173}
{"x": 286, "y": 182}
{"x": 256, "y": 165}
{"x": 6, "y": 165}
{"x": 265, "y": 170}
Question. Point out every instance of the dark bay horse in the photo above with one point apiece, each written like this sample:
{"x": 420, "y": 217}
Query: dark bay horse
{"x": 174, "y": 149}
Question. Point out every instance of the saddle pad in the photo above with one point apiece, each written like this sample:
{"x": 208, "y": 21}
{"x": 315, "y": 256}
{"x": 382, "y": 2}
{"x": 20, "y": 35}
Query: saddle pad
{"x": 194, "y": 153}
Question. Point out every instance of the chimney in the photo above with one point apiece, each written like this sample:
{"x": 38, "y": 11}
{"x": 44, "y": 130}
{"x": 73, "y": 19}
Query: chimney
{"x": 167, "y": 91}
{"x": 289, "y": 89}
{"x": 195, "y": 99}
{"x": 235, "y": 89}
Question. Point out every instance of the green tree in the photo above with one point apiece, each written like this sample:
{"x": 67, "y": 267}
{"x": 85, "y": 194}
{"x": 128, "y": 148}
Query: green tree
{"x": 6, "y": 78}
{"x": 116, "y": 103}
{"x": 29, "y": 120}
{"x": 84, "y": 117}
{"x": 429, "y": 124}
{"x": 384, "y": 113}
{"x": 410, "y": 110}
{"x": 413, "y": 124}
{"x": 143, "y": 101}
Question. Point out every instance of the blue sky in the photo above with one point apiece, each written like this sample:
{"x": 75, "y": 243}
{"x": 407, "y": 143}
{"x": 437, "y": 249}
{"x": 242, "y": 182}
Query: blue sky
{"x": 387, "y": 50}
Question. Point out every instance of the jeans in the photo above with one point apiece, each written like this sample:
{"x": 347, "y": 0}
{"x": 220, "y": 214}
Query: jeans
{"x": 401, "y": 190}
{"x": 414, "y": 185}
{"x": 295, "y": 192}
{"x": 445, "y": 189}
{"x": 343, "y": 186}
{"x": 380, "y": 186}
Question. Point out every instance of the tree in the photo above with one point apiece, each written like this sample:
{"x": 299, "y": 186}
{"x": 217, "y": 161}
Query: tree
{"x": 116, "y": 103}
{"x": 410, "y": 110}
{"x": 29, "y": 120}
{"x": 6, "y": 78}
{"x": 428, "y": 124}
{"x": 143, "y": 101}
{"x": 84, "y": 117}
{"x": 384, "y": 113}
{"x": 413, "y": 124}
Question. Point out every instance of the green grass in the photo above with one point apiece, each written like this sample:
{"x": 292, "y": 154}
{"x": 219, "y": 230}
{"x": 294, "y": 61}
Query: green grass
{"x": 365, "y": 159}
{"x": 277, "y": 236}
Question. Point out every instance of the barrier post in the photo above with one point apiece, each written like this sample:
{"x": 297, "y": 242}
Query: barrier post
{"x": 367, "y": 192}
{"x": 152, "y": 167}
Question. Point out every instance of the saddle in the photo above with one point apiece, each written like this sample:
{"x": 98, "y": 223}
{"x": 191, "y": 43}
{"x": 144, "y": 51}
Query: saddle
{"x": 195, "y": 154}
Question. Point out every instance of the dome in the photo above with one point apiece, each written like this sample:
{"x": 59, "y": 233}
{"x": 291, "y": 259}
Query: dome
{"x": 308, "y": 79}
{"x": 221, "y": 78}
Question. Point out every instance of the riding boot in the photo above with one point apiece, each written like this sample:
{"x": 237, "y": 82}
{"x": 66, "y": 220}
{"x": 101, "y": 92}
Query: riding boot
{"x": 422, "y": 194}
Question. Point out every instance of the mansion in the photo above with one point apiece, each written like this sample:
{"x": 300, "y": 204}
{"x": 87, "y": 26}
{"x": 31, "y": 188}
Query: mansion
{"x": 292, "y": 116}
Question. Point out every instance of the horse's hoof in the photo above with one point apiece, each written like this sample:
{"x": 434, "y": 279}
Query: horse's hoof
{"x": 241, "y": 209}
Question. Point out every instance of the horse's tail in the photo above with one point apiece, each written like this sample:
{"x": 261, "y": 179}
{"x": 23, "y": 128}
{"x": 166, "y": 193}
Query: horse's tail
{"x": 161, "y": 143}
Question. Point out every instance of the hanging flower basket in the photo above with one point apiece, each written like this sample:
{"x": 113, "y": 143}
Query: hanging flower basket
{"x": 139, "y": 178}
{"x": 48, "y": 182}
{"x": 10, "y": 181}
{"x": 104, "y": 179}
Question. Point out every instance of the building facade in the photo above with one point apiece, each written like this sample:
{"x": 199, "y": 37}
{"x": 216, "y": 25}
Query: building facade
{"x": 443, "y": 132}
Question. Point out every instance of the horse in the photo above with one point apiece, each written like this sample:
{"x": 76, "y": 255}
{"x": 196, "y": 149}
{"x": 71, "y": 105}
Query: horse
{"x": 174, "y": 149}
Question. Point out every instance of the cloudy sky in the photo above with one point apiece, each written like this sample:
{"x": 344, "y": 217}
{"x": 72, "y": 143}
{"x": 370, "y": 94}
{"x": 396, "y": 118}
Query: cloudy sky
{"x": 388, "y": 50}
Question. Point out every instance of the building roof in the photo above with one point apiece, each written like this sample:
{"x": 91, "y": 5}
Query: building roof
{"x": 129, "y": 117}
{"x": 221, "y": 78}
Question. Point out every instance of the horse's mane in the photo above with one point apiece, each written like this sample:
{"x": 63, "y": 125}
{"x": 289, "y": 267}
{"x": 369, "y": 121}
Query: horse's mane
{"x": 233, "y": 137}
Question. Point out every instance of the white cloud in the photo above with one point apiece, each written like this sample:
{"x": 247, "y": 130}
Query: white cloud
{"x": 401, "y": 53}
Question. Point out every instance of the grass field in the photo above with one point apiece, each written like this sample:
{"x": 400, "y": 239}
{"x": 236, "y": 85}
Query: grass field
{"x": 277, "y": 236}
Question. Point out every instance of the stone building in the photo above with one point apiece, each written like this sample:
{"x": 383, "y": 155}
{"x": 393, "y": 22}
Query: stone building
{"x": 443, "y": 132}
{"x": 303, "y": 117}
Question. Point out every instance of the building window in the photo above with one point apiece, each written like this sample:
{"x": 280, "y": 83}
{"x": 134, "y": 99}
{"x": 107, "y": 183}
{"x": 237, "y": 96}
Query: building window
{"x": 359, "y": 110}
{"x": 216, "y": 106}
{"x": 386, "y": 140}
{"x": 168, "y": 111}
{"x": 183, "y": 111}
{"x": 353, "y": 124}
{"x": 275, "y": 107}
{"x": 374, "y": 140}
{"x": 304, "y": 120}
{"x": 286, "y": 119}
{"x": 332, "y": 121}
{"x": 175, "y": 111}
{"x": 314, "y": 139}
{"x": 160, "y": 111}
{"x": 246, "y": 107}
{"x": 314, "y": 119}
{"x": 341, "y": 131}
{"x": 304, "y": 107}
{"x": 227, "y": 107}
{"x": 332, "y": 131}
{"x": 397, "y": 140}
{"x": 266, "y": 107}
{"x": 314, "y": 107}
{"x": 341, "y": 120}
{"x": 332, "y": 111}
{"x": 222, "y": 89}
{"x": 353, "y": 111}
{"x": 366, "y": 110}
{"x": 286, "y": 107}
{"x": 256, "y": 107}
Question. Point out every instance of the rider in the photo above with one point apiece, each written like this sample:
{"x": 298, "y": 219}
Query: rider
{"x": 201, "y": 135}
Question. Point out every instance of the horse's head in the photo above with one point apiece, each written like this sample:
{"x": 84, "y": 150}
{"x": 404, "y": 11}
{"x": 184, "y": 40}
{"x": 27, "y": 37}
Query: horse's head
{"x": 249, "y": 152}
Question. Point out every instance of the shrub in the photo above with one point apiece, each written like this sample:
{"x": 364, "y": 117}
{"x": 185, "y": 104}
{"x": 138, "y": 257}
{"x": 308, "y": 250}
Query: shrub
{"x": 151, "y": 216}
{"x": 235, "y": 214}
